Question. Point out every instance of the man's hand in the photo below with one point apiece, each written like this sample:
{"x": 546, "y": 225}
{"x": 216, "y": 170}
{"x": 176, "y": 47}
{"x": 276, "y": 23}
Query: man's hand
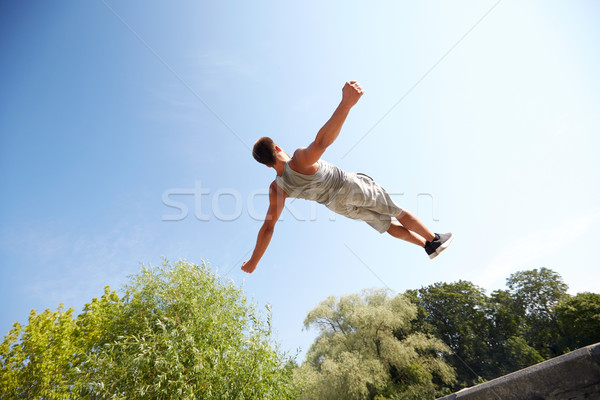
{"x": 248, "y": 266}
{"x": 351, "y": 93}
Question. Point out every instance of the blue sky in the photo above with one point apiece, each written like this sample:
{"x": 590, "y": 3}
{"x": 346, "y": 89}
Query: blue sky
{"x": 480, "y": 116}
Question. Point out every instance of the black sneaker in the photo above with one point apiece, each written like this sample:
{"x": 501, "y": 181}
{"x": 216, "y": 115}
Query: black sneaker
{"x": 430, "y": 250}
{"x": 439, "y": 244}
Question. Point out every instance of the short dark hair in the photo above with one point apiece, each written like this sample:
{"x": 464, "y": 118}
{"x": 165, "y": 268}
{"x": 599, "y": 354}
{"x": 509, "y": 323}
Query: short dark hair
{"x": 264, "y": 151}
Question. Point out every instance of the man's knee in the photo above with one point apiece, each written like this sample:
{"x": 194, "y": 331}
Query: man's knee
{"x": 393, "y": 227}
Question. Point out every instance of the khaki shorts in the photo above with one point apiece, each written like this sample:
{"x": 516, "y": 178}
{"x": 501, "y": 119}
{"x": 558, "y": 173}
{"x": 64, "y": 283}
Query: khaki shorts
{"x": 361, "y": 198}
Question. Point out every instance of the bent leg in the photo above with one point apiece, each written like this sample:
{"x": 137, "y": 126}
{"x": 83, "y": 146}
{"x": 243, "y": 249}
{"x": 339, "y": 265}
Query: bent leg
{"x": 400, "y": 232}
{"x": 413, "y": 224}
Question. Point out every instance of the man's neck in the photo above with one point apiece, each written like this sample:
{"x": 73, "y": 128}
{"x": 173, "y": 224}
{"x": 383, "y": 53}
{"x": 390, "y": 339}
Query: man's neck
{"x": 279, "y": 166}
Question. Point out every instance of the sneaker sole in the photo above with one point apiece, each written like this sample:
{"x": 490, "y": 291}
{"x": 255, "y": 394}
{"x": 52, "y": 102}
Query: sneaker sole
{"x": 444, "y": 246}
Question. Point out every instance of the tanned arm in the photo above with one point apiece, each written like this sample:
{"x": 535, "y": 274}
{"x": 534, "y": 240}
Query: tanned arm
{"x": 307, "y": 156}
{"x": 276, "y": 203}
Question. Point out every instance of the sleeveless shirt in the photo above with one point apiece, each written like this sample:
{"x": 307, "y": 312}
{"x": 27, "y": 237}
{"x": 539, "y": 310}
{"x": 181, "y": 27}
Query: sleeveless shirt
{"x": 321, "y": 187}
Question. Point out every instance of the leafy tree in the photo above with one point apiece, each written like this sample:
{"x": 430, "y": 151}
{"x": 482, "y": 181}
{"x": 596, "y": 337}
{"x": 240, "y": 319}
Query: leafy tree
{"x": 367, "y": 349}
{"x": 179, "y": 331}
{"x": 517, "y": 355}
{"x": 491, "y": 336}
{"x": 537, "y": 292}
{"x": 36, "y": 360}
{"x": 579, "y": 319}
{"x": 505, "y": 313}
{"x": 508, "y": 350}
{"x": 456, "y": 313}
{"x": 182, "y": 332}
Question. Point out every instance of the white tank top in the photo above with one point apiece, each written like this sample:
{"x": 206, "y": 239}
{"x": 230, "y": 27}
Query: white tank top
{"x": 320, "y": 187}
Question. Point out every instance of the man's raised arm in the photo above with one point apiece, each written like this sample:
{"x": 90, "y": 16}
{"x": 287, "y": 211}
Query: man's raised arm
{"x": 351, "y": 93}
{"x": 276, "y": 204}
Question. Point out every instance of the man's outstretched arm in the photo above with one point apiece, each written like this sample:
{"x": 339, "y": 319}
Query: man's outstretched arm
{"x": 351, "y": 93}
{"x": 276, "y": 204}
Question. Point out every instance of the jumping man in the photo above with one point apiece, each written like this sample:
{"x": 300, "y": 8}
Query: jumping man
{"x": 354, "y": 195}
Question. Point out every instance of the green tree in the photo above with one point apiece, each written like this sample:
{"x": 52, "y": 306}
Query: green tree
{"x": 517, "y": 354}
{"x": 367, "y": 349}
{"x": 179, "y": 332}
{"x": 579, "y": 319}
{"x": 36, "y": 361}
{"x": 537, "y": 292}
{"x": 456, "y": 313}
{"x": 182, "y": 332}
{"x": 509, "y": 351}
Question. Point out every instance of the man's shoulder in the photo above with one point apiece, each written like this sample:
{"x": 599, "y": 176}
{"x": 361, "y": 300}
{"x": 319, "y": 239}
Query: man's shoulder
{"x": 296, "y": 164}
{"x": 298, "y": 152}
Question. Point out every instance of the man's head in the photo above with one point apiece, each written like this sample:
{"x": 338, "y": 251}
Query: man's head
{"x": 265, "y": 151}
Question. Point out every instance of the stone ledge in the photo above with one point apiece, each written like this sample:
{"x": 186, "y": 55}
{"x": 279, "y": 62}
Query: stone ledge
{"x": 575, "y": 375}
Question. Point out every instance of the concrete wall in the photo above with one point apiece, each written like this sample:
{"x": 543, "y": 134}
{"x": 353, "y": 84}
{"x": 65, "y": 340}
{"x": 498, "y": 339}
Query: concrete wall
{"x": 573, "y": 376}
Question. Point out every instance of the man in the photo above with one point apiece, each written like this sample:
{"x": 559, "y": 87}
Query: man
{"x": 357, "y": 196}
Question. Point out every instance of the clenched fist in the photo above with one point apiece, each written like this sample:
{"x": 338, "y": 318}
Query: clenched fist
{"x": 351, "y": 93}
{"x": 248, "y": 266}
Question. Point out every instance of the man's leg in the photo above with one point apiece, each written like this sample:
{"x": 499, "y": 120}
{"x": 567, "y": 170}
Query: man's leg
{"x": 413, "y": 224}
{"x": 400, "y": 232}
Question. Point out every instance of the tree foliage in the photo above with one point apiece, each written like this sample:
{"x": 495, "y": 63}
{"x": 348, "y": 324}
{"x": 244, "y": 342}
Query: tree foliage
{"x": 36, "y": 361}
{"x": 367, "y": 348}
{"x": 579, "y": 320}
{"x": 535, "y": 319}
{"x": 456, "y": 313}
{"x": 178, "y": 332}
{"x": 537, "y": 292}
{"x": 507, "y": 351}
